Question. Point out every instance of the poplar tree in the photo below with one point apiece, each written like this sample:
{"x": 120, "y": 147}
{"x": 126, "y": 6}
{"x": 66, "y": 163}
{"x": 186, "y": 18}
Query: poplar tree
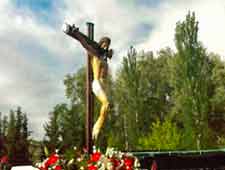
{"x": 191, "y": 78}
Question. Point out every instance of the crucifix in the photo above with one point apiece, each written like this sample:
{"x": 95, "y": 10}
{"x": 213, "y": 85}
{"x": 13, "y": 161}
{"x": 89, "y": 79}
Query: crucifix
{"x": 97, "y": 55}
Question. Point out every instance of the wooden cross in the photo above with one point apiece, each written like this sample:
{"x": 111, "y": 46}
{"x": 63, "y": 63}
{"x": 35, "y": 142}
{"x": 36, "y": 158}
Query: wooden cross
{"x": 89, "y": 78}
{"x": 89, "y": 95}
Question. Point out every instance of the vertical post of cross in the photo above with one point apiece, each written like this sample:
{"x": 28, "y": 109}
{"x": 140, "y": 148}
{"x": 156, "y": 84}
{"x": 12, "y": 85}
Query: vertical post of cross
{"x": 89, "y": 94}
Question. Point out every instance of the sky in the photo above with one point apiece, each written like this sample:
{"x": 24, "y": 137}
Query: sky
{"x": 35, "y": 55}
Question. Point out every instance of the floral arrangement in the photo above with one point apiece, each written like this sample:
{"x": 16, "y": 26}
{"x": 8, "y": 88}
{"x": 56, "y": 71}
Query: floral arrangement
{"x": 111, "y": 160}
{"x": 53, "y": 162}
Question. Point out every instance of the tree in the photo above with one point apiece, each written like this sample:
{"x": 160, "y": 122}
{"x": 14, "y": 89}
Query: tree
{"x": 1, "y": 136}
{"x": 217, "y": 100}
{"x": 75, "y": 87}
{"x": 17, "y": 144}
{"x": 52, "y": 131}
{"x": 127, "y": 98}
{"x": 25, "y": 132}
{"x": 24, "y": 142}
{"x": 19, "y": 119}
{"x": 4, "y": 125}
{"x": 72, "y": 126}
{"x": 11, "y": 140}
{"x": 75, "y": 92}
{"x": 142, "y": 92}
{"x": 1, "y": 122}
{"x": 217, "y": 86}
{"x": 190, "y": 79}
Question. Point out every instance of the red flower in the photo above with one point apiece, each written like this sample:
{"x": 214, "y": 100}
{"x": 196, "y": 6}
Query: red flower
{"x": 115, "y": 162}
{"x": 42, "y": 168}
{"x": 92, "y": 167}
{"x": 52, "y": 160}
{"x": 85, "y": 150}
{"x": 4, "y": 159}
{"x": 128, "y": 168}
{"x": 58, "y": 167}
{"x": 128, "y": 162}
{"x": 95, "y": 157}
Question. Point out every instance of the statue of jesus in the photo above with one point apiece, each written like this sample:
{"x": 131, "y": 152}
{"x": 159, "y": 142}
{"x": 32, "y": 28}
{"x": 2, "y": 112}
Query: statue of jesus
{"x": 99, "y": 52}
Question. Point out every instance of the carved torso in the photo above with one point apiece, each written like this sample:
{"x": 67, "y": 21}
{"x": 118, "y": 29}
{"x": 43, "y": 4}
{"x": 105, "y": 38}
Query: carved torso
{"x": 99, "y": 68}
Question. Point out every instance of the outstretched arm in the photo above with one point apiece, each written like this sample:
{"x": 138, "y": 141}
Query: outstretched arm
{"x": 91, "y": 46}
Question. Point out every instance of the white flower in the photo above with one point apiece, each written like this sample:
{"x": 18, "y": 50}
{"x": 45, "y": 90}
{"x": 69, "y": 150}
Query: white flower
{"x": 136, "y": 163}
{"x": 79, "y": 159}
{"x": 57, "y": 151}
{"x": 71, "y": 161}
{"x": 94, "y": 149}
{"x": 110, "y": 152}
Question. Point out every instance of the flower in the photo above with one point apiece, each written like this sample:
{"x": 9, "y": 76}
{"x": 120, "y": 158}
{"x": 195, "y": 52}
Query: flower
{"x": 58, "y": 167}
{"x": 128, "y": 168}
{"x": 4, "y": 159}
{"x": 95, "y": 157}
{"x": 128, "y": 161}
{"x": 79, "y": 159}
{"x": 111, "y": 160}
{"x": 92, "y": 167}
{"x": 85, "y": 150}
{"x": 52, "y": 160}
{"x": 115, "y": 162}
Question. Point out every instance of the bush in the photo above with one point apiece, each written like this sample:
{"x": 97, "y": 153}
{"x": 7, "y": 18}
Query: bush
{"x": 164, "y": 136}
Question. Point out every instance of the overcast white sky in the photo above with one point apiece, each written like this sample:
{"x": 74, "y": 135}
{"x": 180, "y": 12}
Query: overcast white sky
{"x": 35, "y": 55}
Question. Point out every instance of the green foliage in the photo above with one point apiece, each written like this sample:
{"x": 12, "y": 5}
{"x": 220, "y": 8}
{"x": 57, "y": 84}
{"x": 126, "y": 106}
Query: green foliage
{"x": 127, "y": 96}
{"x": 17, "y": 138}
{"x": 72, "y": 126}
{"x": 142, "y": 91}
{"x": 191, "y": 77}
{"x": 66, "y": 125}
{"x": 164, "y": 136}
{"x": 4, "y": 125}
{"x": 75, "y": 87}
{"x": 52, "y": 128}
{"x": 217, "y": 100}
{"x": 11, "y": 136}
